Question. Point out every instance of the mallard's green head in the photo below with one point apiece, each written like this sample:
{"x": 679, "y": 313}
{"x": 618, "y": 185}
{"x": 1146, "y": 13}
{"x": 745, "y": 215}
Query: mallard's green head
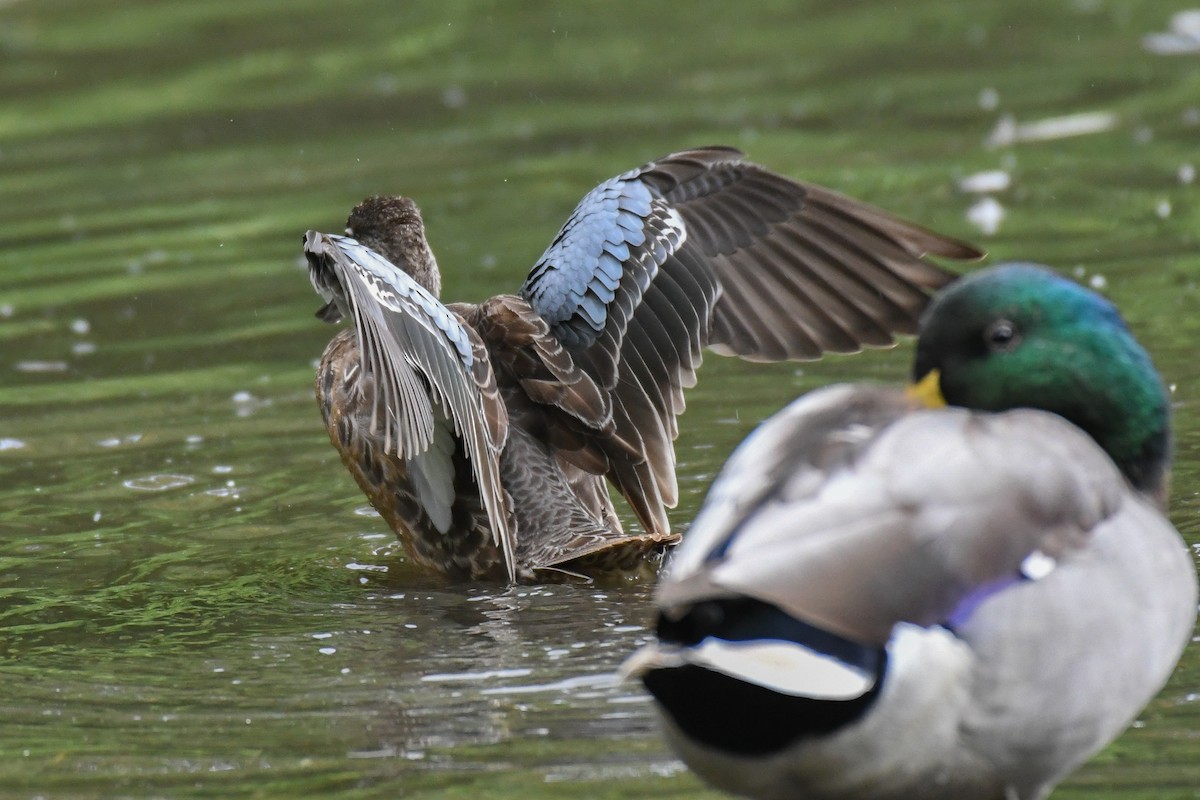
{"x": 1018, "y": 335}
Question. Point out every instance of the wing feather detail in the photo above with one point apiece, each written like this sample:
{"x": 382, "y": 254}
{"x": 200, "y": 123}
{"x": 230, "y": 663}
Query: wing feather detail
{"x": 703, "y": 249}
{"x": 426, "y": 364}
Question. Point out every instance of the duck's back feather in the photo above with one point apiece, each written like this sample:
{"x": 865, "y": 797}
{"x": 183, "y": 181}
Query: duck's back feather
{"x": 991, "y": 554}
{"x": 864, "y": 523}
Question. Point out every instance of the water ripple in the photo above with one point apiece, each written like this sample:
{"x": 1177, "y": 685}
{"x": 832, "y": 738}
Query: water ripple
{"x": 158, "y": 483}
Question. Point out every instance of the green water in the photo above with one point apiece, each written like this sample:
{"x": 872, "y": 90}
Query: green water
{"x": 194, "y": 601}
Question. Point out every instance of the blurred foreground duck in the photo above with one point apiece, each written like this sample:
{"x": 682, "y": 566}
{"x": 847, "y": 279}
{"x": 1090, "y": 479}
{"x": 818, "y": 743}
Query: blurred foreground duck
{"x": 884, "y": 600}
{"x": 483, "y": 433}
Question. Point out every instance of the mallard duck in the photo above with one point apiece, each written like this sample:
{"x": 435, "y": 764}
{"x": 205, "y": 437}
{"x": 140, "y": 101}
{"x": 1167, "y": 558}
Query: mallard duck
{"x": 483, "y": 433}
{"x": 882, "y": 599}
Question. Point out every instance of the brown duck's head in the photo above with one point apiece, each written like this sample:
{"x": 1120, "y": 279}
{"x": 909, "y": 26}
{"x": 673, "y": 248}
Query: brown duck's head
{"x": 392, "y": 227}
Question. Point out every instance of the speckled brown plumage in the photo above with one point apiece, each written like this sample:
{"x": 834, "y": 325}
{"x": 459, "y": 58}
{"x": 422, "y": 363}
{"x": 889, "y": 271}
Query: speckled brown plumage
{"x": 466, "y": 550}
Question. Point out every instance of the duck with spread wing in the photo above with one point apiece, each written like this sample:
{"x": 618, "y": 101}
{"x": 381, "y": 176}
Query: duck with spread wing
{"x": 483, "y": 433}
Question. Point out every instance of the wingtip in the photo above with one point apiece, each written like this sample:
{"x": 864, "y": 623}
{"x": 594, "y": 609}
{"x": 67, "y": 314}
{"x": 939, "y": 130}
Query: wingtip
{"x": 313, "y": 242}
{"x": 958, "y": 250}
{"x": 939, "y": 276}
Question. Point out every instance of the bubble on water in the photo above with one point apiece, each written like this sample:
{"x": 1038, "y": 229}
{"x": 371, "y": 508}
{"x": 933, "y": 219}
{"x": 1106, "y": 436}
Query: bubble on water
{"x": 476, "y": 677}
{"x": 245, "y": 403}
{"x": 1181, "y": 37}
{"x": 991, "y": 180}
{"x": 986, "y": 215}
{"x": 454, "y": 97}
{"x": 1009, "y": 131}
{"x": 41, "y": 366}
{"x": 117, "y": 441}
{"x": 158, "y": 483}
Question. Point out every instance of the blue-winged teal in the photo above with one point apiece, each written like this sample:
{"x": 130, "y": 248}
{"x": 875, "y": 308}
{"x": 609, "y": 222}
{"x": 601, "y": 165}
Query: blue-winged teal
{"x": 484, "y": 433}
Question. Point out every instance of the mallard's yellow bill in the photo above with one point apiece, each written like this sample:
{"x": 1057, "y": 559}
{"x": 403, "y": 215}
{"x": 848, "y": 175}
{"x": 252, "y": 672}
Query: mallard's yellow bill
{"x": 928, "y": 390}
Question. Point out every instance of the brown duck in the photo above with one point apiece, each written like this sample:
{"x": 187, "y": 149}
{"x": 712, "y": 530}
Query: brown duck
{"x": 484, "y": 433}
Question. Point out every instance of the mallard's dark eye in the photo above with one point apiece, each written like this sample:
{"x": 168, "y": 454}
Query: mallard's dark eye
{"x": 1001, "y": 335}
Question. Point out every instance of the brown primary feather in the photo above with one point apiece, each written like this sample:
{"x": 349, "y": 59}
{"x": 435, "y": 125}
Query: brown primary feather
{"x": 771, "y": 269}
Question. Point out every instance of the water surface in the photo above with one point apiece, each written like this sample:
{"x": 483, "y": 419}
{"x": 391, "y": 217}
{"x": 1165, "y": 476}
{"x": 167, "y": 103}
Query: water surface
{"x": 194, "y": 599}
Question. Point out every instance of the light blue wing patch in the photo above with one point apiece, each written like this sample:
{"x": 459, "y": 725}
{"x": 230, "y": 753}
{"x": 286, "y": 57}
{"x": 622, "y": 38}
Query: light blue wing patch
{"x": 578, "y": 277}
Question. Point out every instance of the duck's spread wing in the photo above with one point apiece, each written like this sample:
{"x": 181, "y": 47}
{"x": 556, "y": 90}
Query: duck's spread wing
{"x": 704, "y": 249}
{"x": 425, "y": 363}
{"x": 919, "y": 519}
